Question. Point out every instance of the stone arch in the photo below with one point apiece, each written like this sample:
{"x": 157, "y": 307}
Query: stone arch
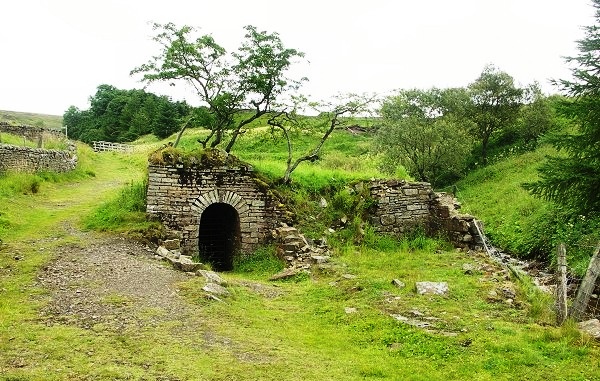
{"x": 226, "y": 197}
{"x": 219, "y": 237}
{"x": 219, "y": 228}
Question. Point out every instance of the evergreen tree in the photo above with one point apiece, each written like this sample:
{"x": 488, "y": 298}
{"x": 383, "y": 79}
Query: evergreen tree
{"x": 573, "y": 179}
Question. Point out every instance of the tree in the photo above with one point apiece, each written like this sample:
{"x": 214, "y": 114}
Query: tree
{"x": 124, "y": 115}
{"x": 495, "y": 104}
{"x": 536, "y": 117}
{"x": 573, "y": 179}
{"x": 331, "y": 115}
{"x": 236, "y": 89}
{"x": 422, "y": 131}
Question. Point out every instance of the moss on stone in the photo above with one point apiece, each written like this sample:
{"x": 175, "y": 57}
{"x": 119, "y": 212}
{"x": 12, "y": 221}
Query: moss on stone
{"x": 202, "y": 159}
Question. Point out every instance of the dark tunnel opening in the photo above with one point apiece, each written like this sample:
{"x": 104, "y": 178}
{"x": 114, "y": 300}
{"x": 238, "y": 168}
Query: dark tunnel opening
{"x": 219, "y": 238}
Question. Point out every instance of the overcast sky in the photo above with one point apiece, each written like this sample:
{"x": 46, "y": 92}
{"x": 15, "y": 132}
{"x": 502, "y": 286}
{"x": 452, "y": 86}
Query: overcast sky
{"x": 54, "y": 53}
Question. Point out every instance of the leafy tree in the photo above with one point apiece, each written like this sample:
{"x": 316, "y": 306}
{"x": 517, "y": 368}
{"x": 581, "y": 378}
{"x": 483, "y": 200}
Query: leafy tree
{"x": 536, "y": 117}
{"x": 251, "y": 79}
{"x": 573, "y": 179}
{"x": 495, "y": 104}
{"x": 124, "y": 115}
{"x": 331, "y": 116}
{"x": 422, "y": 131}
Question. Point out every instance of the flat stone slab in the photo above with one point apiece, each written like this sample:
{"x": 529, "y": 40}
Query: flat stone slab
{"x": 591, "y": 327}
{"x": 287, "y": 273}
{"x": 215, "y": 289}
{"x": 432, "y": 288}
{"x": 211, "y": 277}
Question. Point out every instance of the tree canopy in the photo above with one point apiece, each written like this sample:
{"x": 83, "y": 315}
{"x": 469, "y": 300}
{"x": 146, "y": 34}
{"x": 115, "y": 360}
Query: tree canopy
{"x": 423, "y": 132}
{"x": 246, "y": 83}
{"x": 123, "y": 115}
{"x": 573, "y": 179}
{"x": 495, "y": 104}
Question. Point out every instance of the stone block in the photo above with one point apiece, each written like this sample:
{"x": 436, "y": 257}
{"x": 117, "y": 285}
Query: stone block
{"x": 388, "y": 219}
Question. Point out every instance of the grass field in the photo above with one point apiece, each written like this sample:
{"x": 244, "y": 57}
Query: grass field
{"x": 335, "y": 324}
{"x": 31, "y": 119}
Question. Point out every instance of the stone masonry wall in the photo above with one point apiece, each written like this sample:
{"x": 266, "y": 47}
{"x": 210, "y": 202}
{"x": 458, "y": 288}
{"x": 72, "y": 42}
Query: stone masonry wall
{"x": 26, "y": 159}
{"x": 403, "y": 206}
{"x": 177, "y": 196}
{"x": 29, "y": 132}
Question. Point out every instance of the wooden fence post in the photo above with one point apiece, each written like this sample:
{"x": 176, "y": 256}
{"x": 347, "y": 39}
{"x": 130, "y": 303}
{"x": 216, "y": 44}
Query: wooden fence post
{"x": 561, "y": 287}
{"x": 586, "y": 288}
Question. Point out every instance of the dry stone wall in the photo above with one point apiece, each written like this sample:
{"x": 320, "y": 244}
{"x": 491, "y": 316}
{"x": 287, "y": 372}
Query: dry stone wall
{"x": 29, "y": 132}
{"x": 178, "y": 195}
{"x": 401, "y": 207}
{"x": 25, "y": 159}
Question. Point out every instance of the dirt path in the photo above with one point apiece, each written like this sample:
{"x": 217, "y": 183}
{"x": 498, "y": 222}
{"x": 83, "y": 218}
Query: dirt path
{"x": 113, "y": 283}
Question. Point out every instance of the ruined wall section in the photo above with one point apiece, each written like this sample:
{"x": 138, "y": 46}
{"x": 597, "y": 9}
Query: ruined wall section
{"x": 26, "y": 159}
{"x": 178, "y": 195}
{"x": 460, "y": 229}
{"x": 401, "y": 207}
{"x": 30, "y": 133}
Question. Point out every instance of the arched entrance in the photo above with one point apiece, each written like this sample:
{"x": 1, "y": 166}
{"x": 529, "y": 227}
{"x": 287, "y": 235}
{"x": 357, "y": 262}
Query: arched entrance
{"x": 219, "y": 236}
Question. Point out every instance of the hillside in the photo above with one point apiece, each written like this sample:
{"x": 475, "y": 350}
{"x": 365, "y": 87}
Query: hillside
{"x": 32, "y": 119}
{"x": 79, "y": 304}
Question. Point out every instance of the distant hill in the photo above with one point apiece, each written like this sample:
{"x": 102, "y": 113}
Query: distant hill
{"x": 31, "y": 119}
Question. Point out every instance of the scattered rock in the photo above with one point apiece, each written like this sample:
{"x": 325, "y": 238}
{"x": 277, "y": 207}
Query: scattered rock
{"x": 398, "y": 283}
{"x": 185, "y": 263}
{"x": 409, "y": 321}
{"x": 323, "y": 203}
{"x": 469, "y": 268}
{"x": 320, "y": 258}
{"x": 350, "y": 310}
{"x": 211, "y": 277}
{"x": 349, "y": 276}
{"x": 591, "y": 327}
{"x": 163, "y": 252}
{"x": 215, "y": 289}
{"x": 298, "y": 251}
{"x": 432, "y": 288}
{"x": 171, "y": 244}
{"x": 286, "y": 274}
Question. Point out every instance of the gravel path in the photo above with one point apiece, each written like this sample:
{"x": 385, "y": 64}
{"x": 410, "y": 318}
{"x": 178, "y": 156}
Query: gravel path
{"x": 112, "y": 281}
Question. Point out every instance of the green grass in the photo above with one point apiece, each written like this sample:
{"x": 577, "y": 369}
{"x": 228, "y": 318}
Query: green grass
{"x": 298, "y": 330}
{"x": 495, "y": 195}
{"x": 31, "y": 119}
{"x": 49, "y": 142}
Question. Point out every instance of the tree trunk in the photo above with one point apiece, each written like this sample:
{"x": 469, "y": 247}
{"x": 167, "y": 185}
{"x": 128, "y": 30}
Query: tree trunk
{"x": 179, "y": 135}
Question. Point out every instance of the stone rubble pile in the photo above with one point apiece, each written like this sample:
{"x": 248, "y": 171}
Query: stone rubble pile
{"x": 169, "y": 251}
{"x": 299, "y": 252}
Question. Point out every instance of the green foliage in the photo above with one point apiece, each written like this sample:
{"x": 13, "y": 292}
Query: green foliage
{"x": 520, "y": 223}
{"x": 126, "y": 212}
{"x": 424, "y": 134}
{"x": 495, "y": 104}
{"x": 573, "y": 179}
{"x": 251, "y": 78}
{"x": 124, "y": 115}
